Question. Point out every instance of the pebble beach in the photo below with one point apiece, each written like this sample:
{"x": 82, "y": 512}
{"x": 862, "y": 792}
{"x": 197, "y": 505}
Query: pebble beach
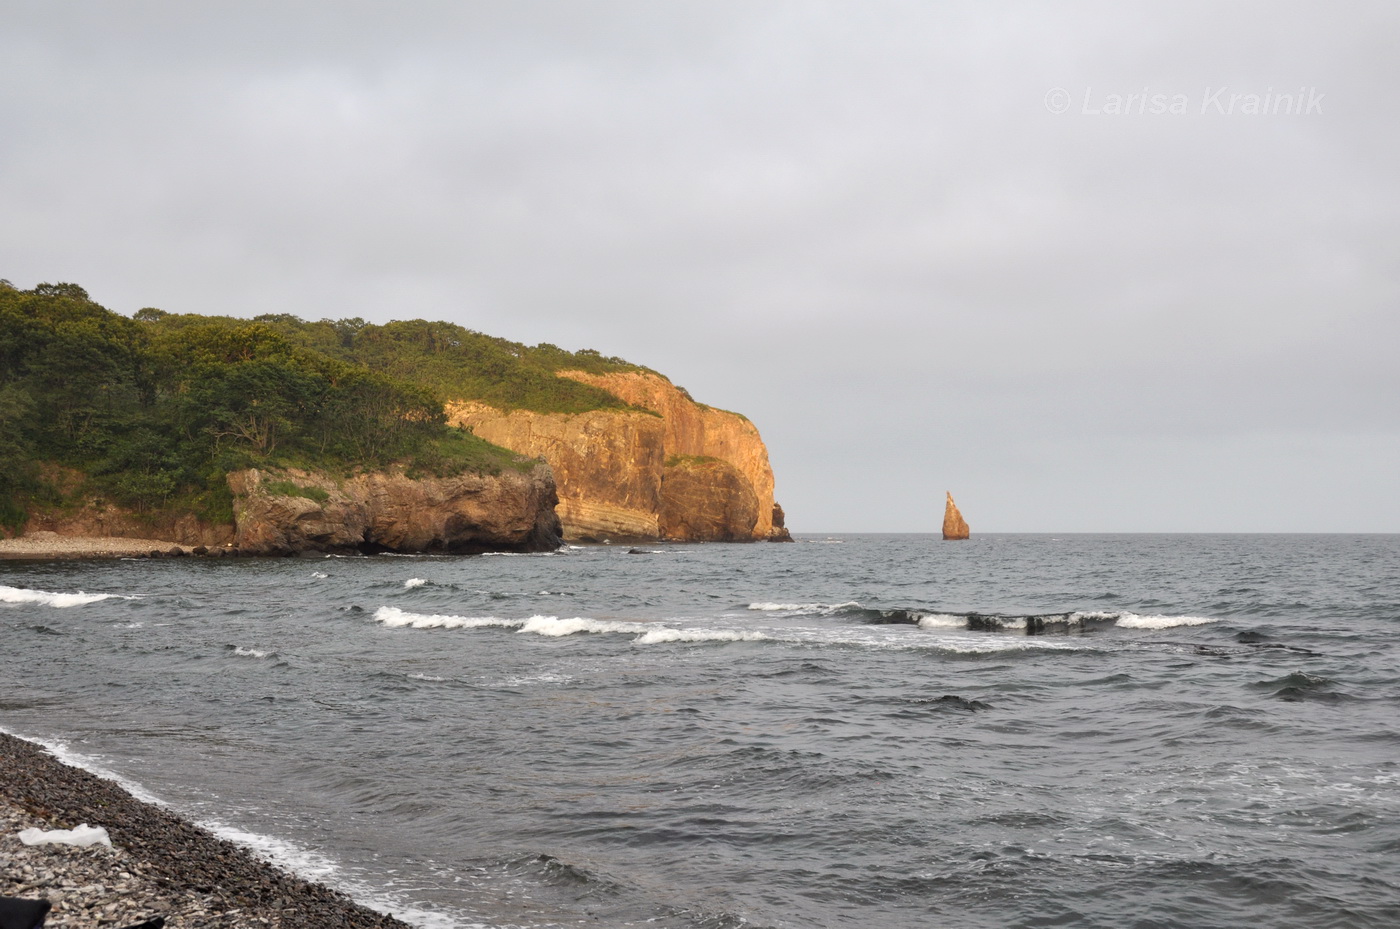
{"x": 51, "y": 545}
{"x": 157, "y": 865}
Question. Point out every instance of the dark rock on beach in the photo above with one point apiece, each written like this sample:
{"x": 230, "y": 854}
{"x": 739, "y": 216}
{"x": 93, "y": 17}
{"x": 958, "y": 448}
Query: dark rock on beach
{"x": 158, "y": 865}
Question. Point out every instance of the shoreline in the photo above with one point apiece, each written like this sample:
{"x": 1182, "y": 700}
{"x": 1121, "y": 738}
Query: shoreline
{"x": 158, "y": 865}
{"x": 50, "y": 546}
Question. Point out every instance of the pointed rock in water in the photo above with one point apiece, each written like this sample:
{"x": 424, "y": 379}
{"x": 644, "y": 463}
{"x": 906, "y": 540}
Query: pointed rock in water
{"x": 779, "y": 532}
{"x": 954, "y": 526}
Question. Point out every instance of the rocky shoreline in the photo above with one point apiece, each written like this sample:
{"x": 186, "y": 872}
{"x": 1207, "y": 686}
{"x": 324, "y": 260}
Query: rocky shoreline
{"x": 44, "y": 546}
{"x": 158, "y": 864}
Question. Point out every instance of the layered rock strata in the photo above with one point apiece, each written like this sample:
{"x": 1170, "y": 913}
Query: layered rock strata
{"x": 292, "y": 511}
{"x": 673, "y": 469}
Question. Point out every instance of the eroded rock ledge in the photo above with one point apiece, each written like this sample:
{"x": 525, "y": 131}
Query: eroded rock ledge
{"x": 293, "y": 511}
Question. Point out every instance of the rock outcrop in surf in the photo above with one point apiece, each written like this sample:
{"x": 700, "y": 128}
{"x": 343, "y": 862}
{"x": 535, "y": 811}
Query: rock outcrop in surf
{"x": 293, "y": 511}
{"x": 954, "y": 526}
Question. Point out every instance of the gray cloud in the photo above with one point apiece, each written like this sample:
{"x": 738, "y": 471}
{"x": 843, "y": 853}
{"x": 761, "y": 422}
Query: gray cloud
{"x": 859, "y": 224}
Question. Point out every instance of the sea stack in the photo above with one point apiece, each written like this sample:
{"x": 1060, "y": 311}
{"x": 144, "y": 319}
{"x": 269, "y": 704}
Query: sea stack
{"x": 954, "y": 526}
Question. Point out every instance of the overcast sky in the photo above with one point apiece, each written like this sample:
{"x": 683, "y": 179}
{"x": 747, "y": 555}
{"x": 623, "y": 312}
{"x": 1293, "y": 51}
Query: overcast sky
{"x": 913, "y": 242}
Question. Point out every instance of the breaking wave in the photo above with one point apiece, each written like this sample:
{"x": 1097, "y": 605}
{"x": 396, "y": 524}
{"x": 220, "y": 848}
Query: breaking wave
{"x": 1030, "y": 623}
{"x": 819, "y": 609}
{"x": 657, "y": 636}
{"x": 553, "y": 626}
{"x": 46, "y": 598}
{"x": 394, "y": 617}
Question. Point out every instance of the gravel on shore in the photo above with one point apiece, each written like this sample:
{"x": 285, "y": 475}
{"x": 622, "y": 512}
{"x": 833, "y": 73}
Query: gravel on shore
{"x": 158, "y": 865}
{"x": 50, "y": 545}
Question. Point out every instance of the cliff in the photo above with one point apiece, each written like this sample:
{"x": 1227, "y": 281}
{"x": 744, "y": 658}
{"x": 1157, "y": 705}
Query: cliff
{"x": 289, "y": 511}
{"x": 681, "y": 471}
{"x": 295, "y": 511}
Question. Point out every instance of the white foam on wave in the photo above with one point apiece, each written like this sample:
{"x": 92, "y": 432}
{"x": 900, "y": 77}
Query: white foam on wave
{"x": 251, "y": 652}
{"x": 63, "y": 753}
{"x": 394, "y": 617}
{"x": 1136, "y": 621}
{"x": 667, "y": 634}
{"x": 986, "y": 644}
{"x": 284, "y": 854}
{"x": 425, "y": 677}
{"x": 942, "y": 621}
{"x": 47, "y": 598}
{"x": 413, "y": 582}
{"x": 528, "y": 679}
{"x": 554, "y": 626}
{"x": 319, "y": 575}
{"x": 822, "y": 608}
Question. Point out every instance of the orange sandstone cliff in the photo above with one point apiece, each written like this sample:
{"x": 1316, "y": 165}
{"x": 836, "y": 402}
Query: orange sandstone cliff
{"x": 673, "y": 469}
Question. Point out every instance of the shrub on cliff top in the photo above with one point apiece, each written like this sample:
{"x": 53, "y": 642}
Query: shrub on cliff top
{"x": 154, "y": 411}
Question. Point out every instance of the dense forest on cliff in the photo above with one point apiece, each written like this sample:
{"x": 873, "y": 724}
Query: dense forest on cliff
{"x": 454, "y": 362}
{"x": 153, "y": 411}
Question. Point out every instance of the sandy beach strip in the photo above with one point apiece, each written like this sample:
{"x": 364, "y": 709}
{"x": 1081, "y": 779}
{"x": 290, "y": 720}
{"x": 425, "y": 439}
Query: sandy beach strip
{"x": 158, "y": 864}
{"x": 42, "y": 546}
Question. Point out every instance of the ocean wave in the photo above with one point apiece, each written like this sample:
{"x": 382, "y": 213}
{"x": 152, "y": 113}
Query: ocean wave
{"x": 394, "y": 617}
{"x": 1030, "y": 623}
{"x": 528, "y": 679}
{"x": 242, "y": 652}
{"x": 554, "y": 626}
{"x": 820, "y": 609}
{"x": 645, "y": 633}
{"x": 1135, "y": 621}
{"x": 47, "y": 598}
{"x": 667, "y": 634}
{"x": 942, "y": 621}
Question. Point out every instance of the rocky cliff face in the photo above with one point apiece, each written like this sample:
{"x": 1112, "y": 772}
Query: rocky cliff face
{"x": 607, "y": 464}
{"x": 297, "y": 511}
{"x": 290, "y": 511}
{"x": 707, "y": 500}
{"x": 689, "y": 472}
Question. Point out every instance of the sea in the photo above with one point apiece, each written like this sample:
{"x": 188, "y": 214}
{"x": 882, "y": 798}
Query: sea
{"x": 852, "y": 730}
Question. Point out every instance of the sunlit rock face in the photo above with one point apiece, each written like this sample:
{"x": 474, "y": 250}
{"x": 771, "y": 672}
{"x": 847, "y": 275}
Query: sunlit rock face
{"x": 680, "y": 471}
